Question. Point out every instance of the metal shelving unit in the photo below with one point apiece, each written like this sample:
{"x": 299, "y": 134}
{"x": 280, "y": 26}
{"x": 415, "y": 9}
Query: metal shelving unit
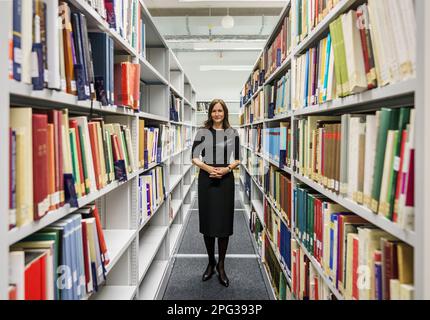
{"x": 407, "y": 93}
{"x": 139, "y": 253}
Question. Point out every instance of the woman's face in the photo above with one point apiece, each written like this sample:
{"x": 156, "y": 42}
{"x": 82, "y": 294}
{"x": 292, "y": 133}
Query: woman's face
{"x": 217, "y": 114}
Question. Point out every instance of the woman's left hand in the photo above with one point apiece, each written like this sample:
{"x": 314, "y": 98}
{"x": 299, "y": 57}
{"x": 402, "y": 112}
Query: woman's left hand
{"x": 222, "y": 171}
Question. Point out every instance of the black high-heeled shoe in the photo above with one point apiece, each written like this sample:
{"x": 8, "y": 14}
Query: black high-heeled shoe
{"x": 208, "y": 272}
{"x": 222, "y": 277}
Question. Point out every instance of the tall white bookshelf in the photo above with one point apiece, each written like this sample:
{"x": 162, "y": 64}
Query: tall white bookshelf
{"x": 412, "y": 92}
{"x": 139, "y": 254}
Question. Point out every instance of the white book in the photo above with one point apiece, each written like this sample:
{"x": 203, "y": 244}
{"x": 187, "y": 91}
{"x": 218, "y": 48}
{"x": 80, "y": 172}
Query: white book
{"x": 407, "y": 10}
{"x": 353, "y": 142}
{"x": 26, "y": 40}
{"x": 53, "y": 44}
{"x": 406, "y": 292}
{"x": 388, "y": 166}
{"x": 21, "y": 122}
{"x": 372, "y": 124}
{"x": 357, "y": 81}
{"x": 376, "y": 31}
{"x": 63, "y": 83}
{"x": 394, "y": 289}
{"x": 83, "y": 123}
{"x": 17, "y": 272}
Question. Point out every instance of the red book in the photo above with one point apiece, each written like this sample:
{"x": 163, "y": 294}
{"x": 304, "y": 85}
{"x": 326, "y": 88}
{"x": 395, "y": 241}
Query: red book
{"x": 123, "y": 95}
{"x": 135, "y": 84}
{"x": 316, "y": 288}
{"x": 92, "y": 128}
{"x": 55, "y": 118}
{"x": 35, "y": 276}
{"x": 410, "y": 182}
{"x": 51, "y": 168}
{"x": 389, "y": 266}
{"x": 355, "y": 292}
{"x": 74, "y": 125}
{"x": 12, "y": 292}
{"x": 399, "y": 176}
{"x": 86, "y": 257}
{"x": 102, "y": 241}
{"x": 40, "y": 165}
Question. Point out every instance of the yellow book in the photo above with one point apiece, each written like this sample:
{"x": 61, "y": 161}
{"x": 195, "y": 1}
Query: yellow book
{"x": 141, "y": 142}
{"x": 21, "y": 122}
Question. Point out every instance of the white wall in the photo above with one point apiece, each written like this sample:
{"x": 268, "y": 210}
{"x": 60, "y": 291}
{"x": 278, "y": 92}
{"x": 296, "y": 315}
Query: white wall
{"x": 224, "y": 85}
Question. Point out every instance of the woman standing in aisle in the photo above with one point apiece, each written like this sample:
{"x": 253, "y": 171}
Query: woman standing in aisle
{"x": 218, "y": 144}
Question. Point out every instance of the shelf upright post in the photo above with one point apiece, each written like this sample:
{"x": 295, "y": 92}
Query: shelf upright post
{"x": 422, "y": 159}
{"x": 5, "y": 33}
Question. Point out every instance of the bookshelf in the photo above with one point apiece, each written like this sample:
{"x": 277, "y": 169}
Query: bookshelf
{"x": 406, "y": 93}
{"x": 139, "y": 252}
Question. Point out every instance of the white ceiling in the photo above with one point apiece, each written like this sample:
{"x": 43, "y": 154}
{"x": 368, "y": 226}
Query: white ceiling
{"x": 215, "y": 4}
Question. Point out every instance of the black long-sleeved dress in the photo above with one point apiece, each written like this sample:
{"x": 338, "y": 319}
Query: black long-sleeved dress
{"x": 216, "y": 196}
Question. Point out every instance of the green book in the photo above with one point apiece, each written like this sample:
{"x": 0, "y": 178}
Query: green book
{"x": 84, "y": 162}
{"x": 124, "y": 147}
{"x": 75, "y": 164}
{"x": 404, "y": 119}
{"x": 389, "y": 120}
{"x": 340, "y": 65}
{"x": 282, "y": 286}
{"x": 110, "y": 155}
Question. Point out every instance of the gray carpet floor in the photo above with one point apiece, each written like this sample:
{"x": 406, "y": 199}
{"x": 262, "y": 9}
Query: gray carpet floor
{"x": 243, "y": 269}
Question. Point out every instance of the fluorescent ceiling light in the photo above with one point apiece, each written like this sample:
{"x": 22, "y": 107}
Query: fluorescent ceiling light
{"x": 227, "y": 49}
{"x": 228, "y": 1}
{"x": 225, "y": 68}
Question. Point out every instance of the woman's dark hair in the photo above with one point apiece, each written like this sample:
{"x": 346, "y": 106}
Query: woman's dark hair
{"x": 209, "y": 122}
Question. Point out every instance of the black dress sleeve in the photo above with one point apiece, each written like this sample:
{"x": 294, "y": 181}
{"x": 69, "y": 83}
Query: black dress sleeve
{"x": 197, "y": 141}
{"x": 236, "y": 147}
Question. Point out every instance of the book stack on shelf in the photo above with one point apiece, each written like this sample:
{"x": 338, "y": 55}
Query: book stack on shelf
{"x": 347, "y": 151}
{"x": 89, "y": 149}
{"x": 76, "y": 245}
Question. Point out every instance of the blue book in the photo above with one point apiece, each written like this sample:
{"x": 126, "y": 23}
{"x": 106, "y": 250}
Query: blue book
{"x": 81, "y": 263}
{"x": 378, "y": 280}
{"x": 111, "y": 71}
{"x": 17, "y": 12}
{"x": 327, "y": 62}
{"x": 305, "y": 101}
{"x": 82, "y": 85}
{"x": 101, "y": 59}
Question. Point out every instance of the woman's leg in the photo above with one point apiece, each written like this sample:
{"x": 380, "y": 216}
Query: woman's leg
{"x": 222, "y": 251}
{"x": 210, "y": 248}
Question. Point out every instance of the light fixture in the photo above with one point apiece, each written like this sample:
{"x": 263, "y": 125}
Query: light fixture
{"x": 227, "y": 22}
{"x": 228, "y": 0}
{"x": 225, "y": 68}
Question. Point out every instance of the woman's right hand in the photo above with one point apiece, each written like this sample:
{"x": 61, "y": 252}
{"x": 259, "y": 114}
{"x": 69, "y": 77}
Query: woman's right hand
{"x": 213, "y": 173}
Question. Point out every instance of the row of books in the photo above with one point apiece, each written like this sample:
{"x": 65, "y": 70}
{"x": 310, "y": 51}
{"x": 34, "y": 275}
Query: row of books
{"x": 153, "y": 144}
{"x": 308, "y": 14}
{"x": 354, "y": 59}
{"x": 257, "y": 230}
{"x": 278, "y": 97}
{"x": 65, "y": 261}
{"x": 276, "y": 275}
{"x": 64, "y": 158}
{"x": 272, "y": 57}
{"x": 306, "y": 282}
{"x": 276, "y": 52}
{"x": 367, "y": 158}
{"x": 151, "y": 192}
{"x": 251, "y": 137}
{"x": 361, "y": 260}
{"x": 175, "y": 108}
{"x": 274, "y": 100}
{"x": 280, "y": 236}
{"x": 176, "y": 141}
{"x": 278, "y": 187}
{"x": 53, "y": 49}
